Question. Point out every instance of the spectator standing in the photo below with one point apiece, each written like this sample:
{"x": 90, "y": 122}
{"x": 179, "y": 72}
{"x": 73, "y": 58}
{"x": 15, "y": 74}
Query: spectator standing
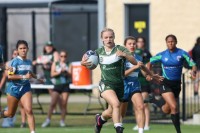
{"x": 60, "y": 73}
{"x": 49, "y": 56}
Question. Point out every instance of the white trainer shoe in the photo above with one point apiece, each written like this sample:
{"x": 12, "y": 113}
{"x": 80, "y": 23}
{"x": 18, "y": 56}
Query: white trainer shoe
{"x": 46, "y": 123}
{"x": 135, "y": 128}
{"x": 146, "y": 128}
{"x": 62, "y": 123}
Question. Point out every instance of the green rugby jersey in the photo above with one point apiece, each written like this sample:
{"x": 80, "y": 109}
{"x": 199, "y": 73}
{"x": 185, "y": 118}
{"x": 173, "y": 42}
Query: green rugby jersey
{"x": 62, "y": 78}
{"x": 111, "y": 65}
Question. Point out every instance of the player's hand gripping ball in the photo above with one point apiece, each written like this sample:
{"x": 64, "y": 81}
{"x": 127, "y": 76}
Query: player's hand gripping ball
{"x": 92, "y": 58}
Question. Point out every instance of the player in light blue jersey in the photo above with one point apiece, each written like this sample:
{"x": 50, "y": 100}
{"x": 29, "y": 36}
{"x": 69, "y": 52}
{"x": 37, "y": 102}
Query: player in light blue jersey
{"x": 132, "y": 87}
{"x": 172, "y": 64}
{"x": 19, "y": 85}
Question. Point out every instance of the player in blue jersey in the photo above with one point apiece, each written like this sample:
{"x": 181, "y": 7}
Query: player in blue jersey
{"x": 132, "y": 86}
{"x": 19, "y": 85}
{"x": 172, "y": 63}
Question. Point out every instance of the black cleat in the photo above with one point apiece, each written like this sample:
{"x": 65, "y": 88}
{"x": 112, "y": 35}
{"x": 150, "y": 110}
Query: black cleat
{"x": 119, "y": 129}
{"x": 98, "y": 124}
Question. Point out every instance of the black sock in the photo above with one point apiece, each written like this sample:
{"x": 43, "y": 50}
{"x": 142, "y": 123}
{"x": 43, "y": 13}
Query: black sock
{"x": 102, "y": 121}
{"x": 176, "y": 121}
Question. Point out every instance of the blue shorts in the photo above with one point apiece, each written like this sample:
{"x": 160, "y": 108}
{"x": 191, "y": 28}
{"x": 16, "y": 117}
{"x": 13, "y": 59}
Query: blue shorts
{"x": 131, "y": 86}
{"x": 18, "y": 90}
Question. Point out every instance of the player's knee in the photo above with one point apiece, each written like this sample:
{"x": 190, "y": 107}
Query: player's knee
{"x": 116, "y": 104}
{"x": 29, "y": 111}
{"x": 53, "y": 104}
{"x": 166, "y": 110}
{"x": 141, "y": 107}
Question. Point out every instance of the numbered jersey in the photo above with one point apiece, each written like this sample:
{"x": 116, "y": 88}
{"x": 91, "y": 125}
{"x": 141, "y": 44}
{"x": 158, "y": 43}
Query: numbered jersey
{"x": 111, "y": 65}
{"x": 131, "y": 82}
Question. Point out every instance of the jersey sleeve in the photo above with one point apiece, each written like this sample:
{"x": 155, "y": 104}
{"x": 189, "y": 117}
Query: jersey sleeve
{"x": 156, "y": 58}
{"x": 188, "y": 59}
{"x": 13, "y": 64}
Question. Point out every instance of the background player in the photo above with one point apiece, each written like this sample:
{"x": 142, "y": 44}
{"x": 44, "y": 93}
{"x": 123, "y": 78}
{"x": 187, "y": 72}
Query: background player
{"x": 172, "y": 63}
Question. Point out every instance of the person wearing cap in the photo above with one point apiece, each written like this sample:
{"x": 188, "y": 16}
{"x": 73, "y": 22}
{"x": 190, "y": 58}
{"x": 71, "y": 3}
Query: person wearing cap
{"x": 49, "y": 56}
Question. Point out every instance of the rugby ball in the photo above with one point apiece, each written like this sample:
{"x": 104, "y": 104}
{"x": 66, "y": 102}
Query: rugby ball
{"x": 93, "y": 58}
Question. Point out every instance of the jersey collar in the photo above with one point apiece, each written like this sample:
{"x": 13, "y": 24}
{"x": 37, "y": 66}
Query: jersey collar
{"x": 19, "y": 57}
{"x": 110, "y": 51}
{"x": 173, "y": 51}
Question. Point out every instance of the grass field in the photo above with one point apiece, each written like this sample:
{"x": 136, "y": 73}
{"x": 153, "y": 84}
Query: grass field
{"x": 155, "y": 128}
{"x": 85, "y": 123}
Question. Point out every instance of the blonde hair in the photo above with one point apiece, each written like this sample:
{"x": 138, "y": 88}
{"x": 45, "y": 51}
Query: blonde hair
{"x": 107, "y": 29}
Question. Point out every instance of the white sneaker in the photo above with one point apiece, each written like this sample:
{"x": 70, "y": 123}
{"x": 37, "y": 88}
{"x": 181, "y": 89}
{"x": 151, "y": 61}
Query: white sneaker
{"x": 46, "y": 123}
{"x": 146, "y": 128}
{"x": 135, "y": 128}
{"x": 62, "y": 123}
